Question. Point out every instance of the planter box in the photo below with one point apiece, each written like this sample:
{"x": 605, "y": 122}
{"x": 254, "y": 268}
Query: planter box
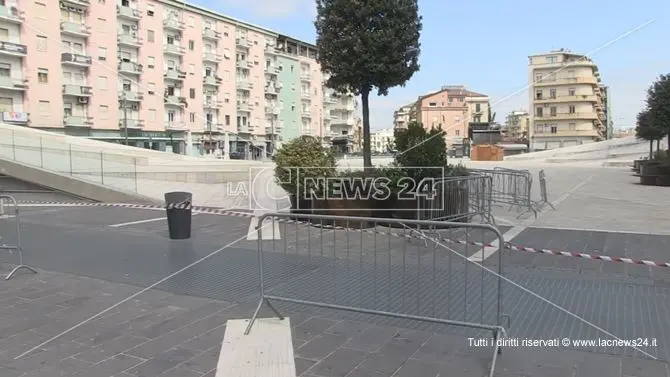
{"x": 453, "y": 206}
{"x": 300, "y": 206}
{"x": 648, "y": 180}
{"x": 650, "y": 168}
{"x": 663, "y": 180}
{"x": 637, "y": 164}
{"x": 345, "y": 207}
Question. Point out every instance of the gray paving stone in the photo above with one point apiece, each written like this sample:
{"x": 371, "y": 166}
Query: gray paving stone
{"x": 338, "y": 364}
{"x": 63, "y": 368}
{"x": 162, "y": 362}
{"x": 109, "y": 348}
{"x": 320, "y": 346}
{"x": 204, "y": 361}
{"x": 378, "y": 364}
{"x": 438, "y": 349}
{"x": 302, "y": 365}
{"x": 181, "y": 372}
{"x": 599, "y": 365}
{"x": 416, "y": 368}
{"x": 643, "y": 368}
{"x": 311, "y": 328}
{"x": 111, "y": 366}
{"x": 207, "y": 340}
{"x": 372, "y": 338}
{"x": 176, "y": 322}
{"x": 405, "y": 343}
{"x": 42, "y": 357}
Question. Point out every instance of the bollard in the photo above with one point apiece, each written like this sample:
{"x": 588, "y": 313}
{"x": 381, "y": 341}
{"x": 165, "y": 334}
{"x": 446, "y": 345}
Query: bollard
{"x": 178, "y": 206}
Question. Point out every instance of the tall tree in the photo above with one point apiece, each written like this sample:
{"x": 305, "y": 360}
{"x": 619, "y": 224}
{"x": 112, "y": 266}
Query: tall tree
{"x": 367, "y": 44}
{"x": 646, "y": 130}
{"x": 658, "y": 104}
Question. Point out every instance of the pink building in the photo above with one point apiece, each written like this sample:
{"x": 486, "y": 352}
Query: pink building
{"x": 156, "y": 74}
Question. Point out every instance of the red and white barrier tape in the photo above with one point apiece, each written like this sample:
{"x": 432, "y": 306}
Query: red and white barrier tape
{"x": 216, "y": 211}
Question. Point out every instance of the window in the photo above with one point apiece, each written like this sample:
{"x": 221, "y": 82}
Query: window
{"x": 571, "y": 73}
{"x": 170, "y": 40}
{"x": 4, "y": 34}
{"x": 150, "y": 13}
{"x": 539, "y": 128}
{"x": 572, "y": 126}
{"x": 191, "y": 69}
{"x": 571, "y": 91}
{"x": 571, "y": 109}
{"x": 191, "y": 21}
{"x": 6, "y": 104}
{"x": 151, "y": 61}
{"x": 550, "y": 59}
{"x": 41, "y": 43}
{"x": 458, "y": 132}
{"x": 538, "y": 112}
{"x": 191, "y": 45}
{"x": 150, "y": 36}
{"x": 227, "y": 117}
{"x": 151, "y": 88}
{"x": 5, "y": 69}
{"x": 44, "y": 108}
{"x": 127, "y": 86}
{"x": 126, "y": 29}
{"x": 102, "y": 53}
{"x": 191, "y": 117}
{"x": 478, "y": 107}
{"x": 42, "y": 75}
{"x": 553, "y": 129}
{"x": 152, "y": 114}
{"x": 102, "y": 82}
{"x": 171, "y": 116}
{"x": 208, "y": 71}
{"x": 432, "y": 104}
{"x": 104, "y": 112}
{"x": 191, "y": 93}
{"x": 552, "y": 111}
{"x": 538, "y": 77}
{"x": 552, "y": 93}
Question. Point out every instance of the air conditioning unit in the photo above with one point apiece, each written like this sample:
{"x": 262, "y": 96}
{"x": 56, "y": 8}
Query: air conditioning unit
{"x": 82, "y": 99}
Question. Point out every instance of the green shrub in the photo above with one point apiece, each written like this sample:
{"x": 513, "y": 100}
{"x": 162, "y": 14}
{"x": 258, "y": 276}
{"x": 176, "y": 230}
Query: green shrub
{"x": 660, "y": 155}
{"x": 421, "y": 151}
{"x": 303, "y": 158}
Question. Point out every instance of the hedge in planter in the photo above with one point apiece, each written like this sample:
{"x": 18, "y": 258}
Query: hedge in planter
{"x": 299, "y": 165}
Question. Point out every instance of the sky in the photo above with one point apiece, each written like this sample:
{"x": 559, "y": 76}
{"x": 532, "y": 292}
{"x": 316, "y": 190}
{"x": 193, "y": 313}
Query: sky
{"x": 485, "y": 46}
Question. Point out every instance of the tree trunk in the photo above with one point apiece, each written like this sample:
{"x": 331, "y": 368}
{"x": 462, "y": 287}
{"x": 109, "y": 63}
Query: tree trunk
{"x": 651, "y": 149}
{"x": 367, "y": 152}
{"x": 658, "y": 144}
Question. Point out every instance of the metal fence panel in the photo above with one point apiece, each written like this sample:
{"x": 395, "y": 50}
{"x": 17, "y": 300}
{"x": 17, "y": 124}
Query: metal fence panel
{"x": 511, "y": 187}
{"x": 387, "y": 270}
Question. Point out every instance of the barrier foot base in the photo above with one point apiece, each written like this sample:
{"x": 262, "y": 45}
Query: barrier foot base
{"x": 17, "y": 268}
{"x": 258, "y": 310}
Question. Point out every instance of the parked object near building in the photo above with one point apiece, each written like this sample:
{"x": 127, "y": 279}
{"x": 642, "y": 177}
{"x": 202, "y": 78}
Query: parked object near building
{"x": 569, "y": 102}
{"x": 486, "y": 152}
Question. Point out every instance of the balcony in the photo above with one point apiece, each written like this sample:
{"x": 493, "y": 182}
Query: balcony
{"x": 560, "y": 116}
{"x": 272, "y": 110}
{"x": 566, "y": 81}
{"x": 172, "y": 23}
{"x": 214, "y": 127}
{"x": 174, "y": 74}
{"x": 78, "y": 60}
{"x": 77, "y": 90}
{"x": 212, "y": 80}
{"x": 212, "y": 104}
{"x": 74, "y": 28}
{"x": 304, "y": 95}
{"x": 128, "y": 13}
{"x": 9, "y": 83}
{"x": 564, "y": 133}
{"x": 243, "y": 106}
{"x": 135, "y": 124}
{"x": 577, "y": 98}
{"x": 271, "y": 89}
{"x": 175, "y": 126}
{"x": 246, "y": 64}
{"x": 130, "y": 40}
{"x": 173, "y": 49}
{"x": 12, "y": 49}
{"x": 77, "y": 3}
{"x": 11, "y": 15}
{"x": 305, "y": 77}
{"x": 129, "y": 68}
{"x": 208, "y": 33}
{"x": 305, "y": 113}
{"x": 331, "y": 100}
{"x": 243, "y": 42}
{"x": 174, "y": 100}
{"x": 211, "y": 57}
{"x": 77, "y": 121}
{"x": 243, "y": 128}
{"x": 130, "y": 96}
{"x": 243, "y": 84}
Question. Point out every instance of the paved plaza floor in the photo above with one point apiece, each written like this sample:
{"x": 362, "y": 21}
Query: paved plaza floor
{"x": 90, "y": 259}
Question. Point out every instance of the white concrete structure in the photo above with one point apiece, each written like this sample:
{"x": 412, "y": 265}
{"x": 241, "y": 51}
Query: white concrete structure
{"x": 381, "y": 141}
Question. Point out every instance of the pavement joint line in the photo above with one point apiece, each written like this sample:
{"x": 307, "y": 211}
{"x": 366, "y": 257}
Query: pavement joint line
{"x": 490, "y": 246}
{"x": 516, "y": 230}
{"x": 137, "y": 222}
{"x": 143, "y": 290}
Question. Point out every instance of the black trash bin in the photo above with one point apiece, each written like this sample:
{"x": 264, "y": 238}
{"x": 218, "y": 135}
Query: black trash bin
{"x": 178, "y": 207}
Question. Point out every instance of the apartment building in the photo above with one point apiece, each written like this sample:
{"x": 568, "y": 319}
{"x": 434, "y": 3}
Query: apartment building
{"x": 382, "y": 141}
{"x": 568, "y": 100}
{"x": 453, "y": 108}
{"x": 340, "y": 120}
{"x": 158, "y": 74}
{"x": 517, "y": 124}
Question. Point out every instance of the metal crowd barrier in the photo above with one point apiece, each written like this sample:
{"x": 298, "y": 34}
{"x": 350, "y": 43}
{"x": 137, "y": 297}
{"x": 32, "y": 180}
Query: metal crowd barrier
{"x": 543, "y": 191}
{"x": 458, "y": 199}
{"x": 17, "y": 247}
{"x": 354, "y": 265}
{"x": 511, "y": 187}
